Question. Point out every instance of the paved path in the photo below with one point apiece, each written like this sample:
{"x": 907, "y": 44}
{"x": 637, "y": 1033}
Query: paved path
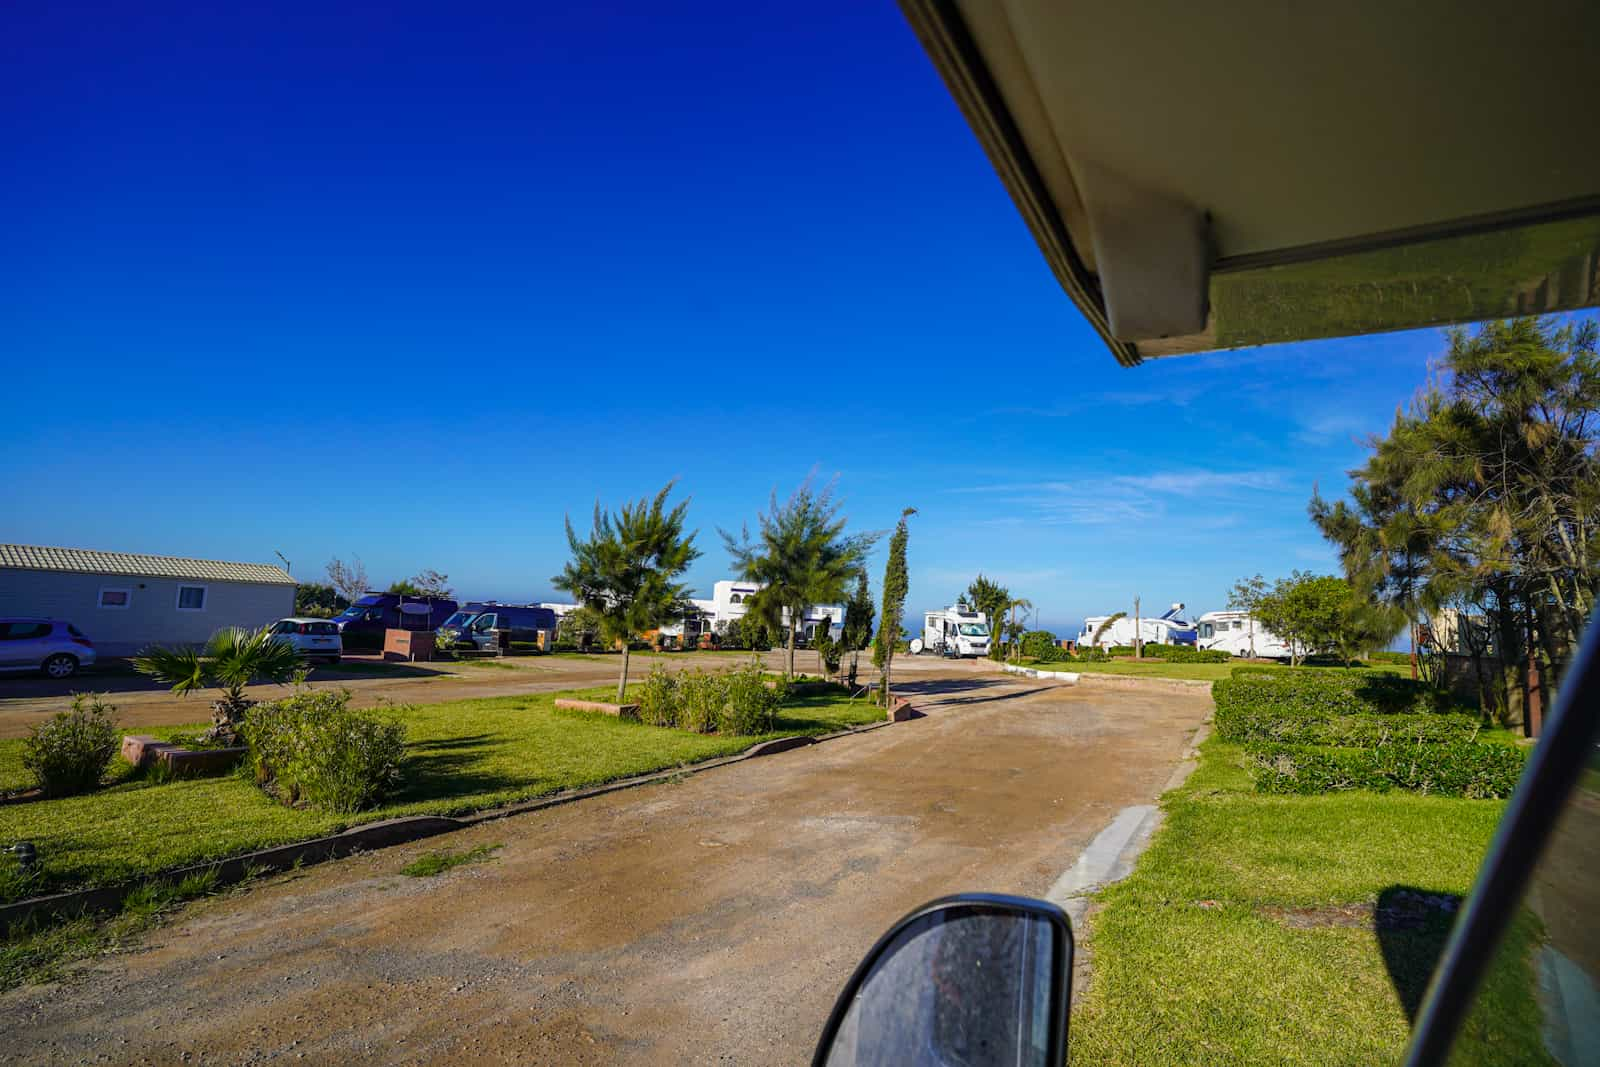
{"x": 708, "y": 920}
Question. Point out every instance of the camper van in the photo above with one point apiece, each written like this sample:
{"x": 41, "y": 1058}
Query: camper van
{"x": 955, "y": 631}
{"x": 377, "y": 612}
{"x": 484, "y": 623}
{"x": 1237, "y": 633}
{"x": 1169, "y": 628}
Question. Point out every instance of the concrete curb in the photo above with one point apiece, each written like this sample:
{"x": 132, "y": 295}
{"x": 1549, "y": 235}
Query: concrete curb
{"x": 1063, "y": 677}
{"x": 375, "y": 835}
{"x": 1112, "y": 854}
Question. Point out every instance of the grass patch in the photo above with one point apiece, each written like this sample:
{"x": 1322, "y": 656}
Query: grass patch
{"x": 33, "y": 952}
{"x": 462, "y": 756}
{"x": 433, "y": 863}
{"x": 1268, "y": 929}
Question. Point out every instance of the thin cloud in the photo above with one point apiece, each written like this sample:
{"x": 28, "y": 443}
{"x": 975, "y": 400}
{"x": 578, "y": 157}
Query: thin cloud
{"x": 1126, "y": 498}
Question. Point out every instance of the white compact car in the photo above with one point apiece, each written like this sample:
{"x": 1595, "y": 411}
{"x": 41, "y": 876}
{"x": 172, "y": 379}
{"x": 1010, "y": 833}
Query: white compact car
{"x": 315, "y": 638}
{"x": 53, "y": 646}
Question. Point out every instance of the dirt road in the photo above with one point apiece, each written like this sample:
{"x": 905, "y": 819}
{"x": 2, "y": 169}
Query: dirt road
{"x": 708, "y": 920}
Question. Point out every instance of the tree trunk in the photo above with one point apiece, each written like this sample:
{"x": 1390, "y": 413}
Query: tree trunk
{"x": 622, "y": 682}
{"x": 790, "y": 673}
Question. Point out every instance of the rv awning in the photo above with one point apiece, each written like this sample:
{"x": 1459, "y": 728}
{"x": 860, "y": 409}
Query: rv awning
{"x": 1204, "y": 176}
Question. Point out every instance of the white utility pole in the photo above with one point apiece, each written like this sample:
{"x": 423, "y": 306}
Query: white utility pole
{"x": 1138, "y": 627}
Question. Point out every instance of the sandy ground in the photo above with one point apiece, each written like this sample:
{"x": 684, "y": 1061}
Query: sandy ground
{"x": 712, "y": 919}
{"x": 143, "y": 703}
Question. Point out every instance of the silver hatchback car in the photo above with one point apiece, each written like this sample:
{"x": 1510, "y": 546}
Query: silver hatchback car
{"x": 53, "y": 646}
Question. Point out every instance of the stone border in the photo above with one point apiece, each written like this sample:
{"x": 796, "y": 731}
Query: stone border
{"x": 1064, "y": 677}
{"x": 382, "y": 834}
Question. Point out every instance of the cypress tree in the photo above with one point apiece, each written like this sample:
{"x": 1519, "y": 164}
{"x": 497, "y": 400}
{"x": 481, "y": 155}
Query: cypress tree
{"x": 895, "y": 586}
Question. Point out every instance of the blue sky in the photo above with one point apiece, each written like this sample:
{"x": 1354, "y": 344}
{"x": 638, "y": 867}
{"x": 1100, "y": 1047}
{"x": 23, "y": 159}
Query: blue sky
{"x": 412, "y": 283}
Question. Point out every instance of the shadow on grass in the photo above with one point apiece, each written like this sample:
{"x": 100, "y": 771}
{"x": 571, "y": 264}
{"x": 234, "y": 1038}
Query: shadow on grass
{"x": 1412, "y": 926}
{"x": 450, "y": 768}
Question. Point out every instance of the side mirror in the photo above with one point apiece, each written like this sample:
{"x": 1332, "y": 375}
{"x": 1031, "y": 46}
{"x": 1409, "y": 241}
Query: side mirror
{"x": 973, "y": 980}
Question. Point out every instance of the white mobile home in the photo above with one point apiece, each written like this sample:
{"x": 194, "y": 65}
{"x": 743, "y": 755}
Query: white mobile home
{"x": 124, "y": 601}
{"x": 1237, "y": 633}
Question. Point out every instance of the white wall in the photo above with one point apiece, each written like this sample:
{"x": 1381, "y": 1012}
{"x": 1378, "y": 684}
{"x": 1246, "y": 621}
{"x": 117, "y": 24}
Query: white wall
{"x": 152, "y": 615}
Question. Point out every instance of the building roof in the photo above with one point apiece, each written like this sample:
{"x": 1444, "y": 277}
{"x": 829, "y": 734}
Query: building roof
{"x": 89, "y": 561}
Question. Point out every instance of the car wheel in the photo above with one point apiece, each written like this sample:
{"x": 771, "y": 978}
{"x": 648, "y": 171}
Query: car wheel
{"x": 60, "y": 665}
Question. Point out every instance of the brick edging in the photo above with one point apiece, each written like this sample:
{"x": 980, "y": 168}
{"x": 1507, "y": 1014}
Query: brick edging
{"x": 382, "y": 834}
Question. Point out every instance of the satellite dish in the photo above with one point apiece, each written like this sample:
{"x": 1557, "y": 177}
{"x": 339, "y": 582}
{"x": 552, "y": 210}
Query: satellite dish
{"x": 916, "y": 646}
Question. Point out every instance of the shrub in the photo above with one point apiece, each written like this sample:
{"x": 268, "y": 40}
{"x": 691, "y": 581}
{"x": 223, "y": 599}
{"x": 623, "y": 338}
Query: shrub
{"x": 68, "y": 754}
{"x": 701, "y": 695}
{"x": 657, "y": 697}
{"x": 312, "y": 748}
{"x": 749, "y": 703}
{"x": 1121, "y": 650}
{"x": 1459, "y": 769}
{"x": 1389, "y": 657}
{"x": 445, "y": 641}
{"x": 1039, "y": 644}
{"x": 1092, "y": 655}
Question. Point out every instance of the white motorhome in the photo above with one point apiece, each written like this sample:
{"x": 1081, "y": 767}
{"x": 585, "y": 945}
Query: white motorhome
{"x": 954, "y": 631}
{"x": 1235, "y": 632}
{"x": 1169, "y": 628}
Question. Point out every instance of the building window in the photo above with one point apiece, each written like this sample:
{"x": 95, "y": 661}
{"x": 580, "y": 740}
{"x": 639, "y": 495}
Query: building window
{"x": 118, "y": 599}
{"x": 191, "y": 598}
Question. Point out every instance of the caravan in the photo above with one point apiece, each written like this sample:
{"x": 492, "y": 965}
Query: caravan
{"x": 955, "y": 631}
{"x": 1169, "y": 628}
{"x": 1236, "y": 633}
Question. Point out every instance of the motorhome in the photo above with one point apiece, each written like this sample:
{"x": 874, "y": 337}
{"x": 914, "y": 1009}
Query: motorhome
{"x": 1168, "y": 628}
{"x": 954, "y": 631}
{"x": 1235, "y": 632}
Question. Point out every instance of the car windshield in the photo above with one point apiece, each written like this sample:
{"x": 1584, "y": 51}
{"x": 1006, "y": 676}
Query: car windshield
{"x": 742, "y": 337}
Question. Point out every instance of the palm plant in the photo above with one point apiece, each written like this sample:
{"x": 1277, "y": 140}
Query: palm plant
{"x": 232, "y": 659}
{"x": 801, "y": 557}
{"x": 1014, "y": 631}
{"x": 1099, "y": 631}
{"x": 627, "y": 572}
{"x": 990, "y": 598}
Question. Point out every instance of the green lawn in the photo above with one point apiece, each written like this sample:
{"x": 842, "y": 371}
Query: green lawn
{"x": 1246, "y": 932}
{"x": 464, "y": 755}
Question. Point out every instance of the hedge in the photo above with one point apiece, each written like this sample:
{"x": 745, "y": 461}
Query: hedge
{"x": 1302, "y": 692}
{"x": 1460, "y": 769}
{"x": 1359, "y": 730}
